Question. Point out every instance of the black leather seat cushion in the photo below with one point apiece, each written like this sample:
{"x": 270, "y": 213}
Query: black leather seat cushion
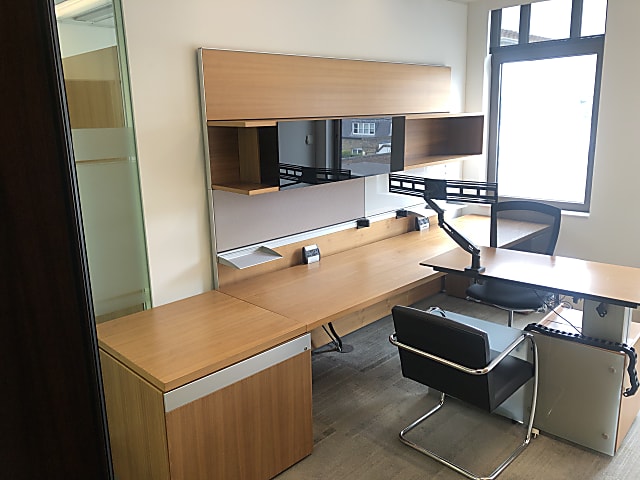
{"x": 508, "y": 296}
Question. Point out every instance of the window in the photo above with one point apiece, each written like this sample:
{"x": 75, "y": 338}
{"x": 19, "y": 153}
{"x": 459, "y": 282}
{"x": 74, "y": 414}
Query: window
{"x": 363, "y": 128}
{"x": 544, "y": 96}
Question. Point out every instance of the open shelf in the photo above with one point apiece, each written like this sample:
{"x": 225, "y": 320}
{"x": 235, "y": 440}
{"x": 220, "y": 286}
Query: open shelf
{"x": 243, "y": 154}
{"x": 437, "y": 138}
{"x": 247, "y": 188}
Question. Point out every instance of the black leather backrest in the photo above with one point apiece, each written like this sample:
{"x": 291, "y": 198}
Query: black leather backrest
{"x": 528, "y": 211}
{"x": 441, "y": 336}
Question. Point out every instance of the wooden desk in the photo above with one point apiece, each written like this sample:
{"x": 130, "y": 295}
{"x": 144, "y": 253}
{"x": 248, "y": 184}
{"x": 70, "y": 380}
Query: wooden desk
{"x": 211, "y": 387}
{"x": 204, "y": 388}
{"x": 600, "y": 282}
{"x": 373, "y": 275}
{"x": 580, "y": 386}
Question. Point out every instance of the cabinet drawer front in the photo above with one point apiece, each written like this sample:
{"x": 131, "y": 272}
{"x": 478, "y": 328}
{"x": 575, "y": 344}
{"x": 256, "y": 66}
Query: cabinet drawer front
{"x": 223, "y": 378}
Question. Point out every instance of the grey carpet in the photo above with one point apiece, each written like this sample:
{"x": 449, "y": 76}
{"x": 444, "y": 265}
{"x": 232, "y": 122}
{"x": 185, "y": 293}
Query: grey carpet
{"x": 361, "y": 402}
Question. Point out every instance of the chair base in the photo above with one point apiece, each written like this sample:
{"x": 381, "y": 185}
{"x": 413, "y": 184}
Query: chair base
{"x": 508, "y": 310}
{"x": 461, "y": 470}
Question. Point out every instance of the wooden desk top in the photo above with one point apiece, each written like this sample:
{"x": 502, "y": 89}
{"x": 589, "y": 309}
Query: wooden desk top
{"x": 602, "y": 282}
{"x": 176, "y": 343}
{"x": 343, "y": 283}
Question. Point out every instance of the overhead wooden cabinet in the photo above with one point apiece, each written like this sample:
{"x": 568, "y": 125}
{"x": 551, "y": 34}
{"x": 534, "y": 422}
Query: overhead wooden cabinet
{"x": 245, "y": 95}
{"x": 209, "y": 387}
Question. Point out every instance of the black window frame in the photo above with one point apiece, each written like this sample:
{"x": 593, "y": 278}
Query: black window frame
{"x": 575, "y": 45}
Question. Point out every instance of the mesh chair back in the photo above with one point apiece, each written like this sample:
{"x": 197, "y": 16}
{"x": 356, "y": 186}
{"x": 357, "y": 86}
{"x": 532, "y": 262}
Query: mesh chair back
{"x": 528, "y": 211}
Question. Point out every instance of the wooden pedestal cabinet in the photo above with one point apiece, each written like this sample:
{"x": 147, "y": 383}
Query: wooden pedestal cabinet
{"x": 245, "y": 421}
{"x": 209, "y": 387}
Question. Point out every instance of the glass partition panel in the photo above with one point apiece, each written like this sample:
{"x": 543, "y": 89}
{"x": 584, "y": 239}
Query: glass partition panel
{"x": 93, "y": 51}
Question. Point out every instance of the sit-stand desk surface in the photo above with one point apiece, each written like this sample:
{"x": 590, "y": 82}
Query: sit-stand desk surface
{"x": 596, "y": 281}
{"x": 580, "y": 393}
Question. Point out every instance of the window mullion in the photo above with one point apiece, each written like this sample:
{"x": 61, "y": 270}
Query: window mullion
{"x": 496, "y": 27}
{"x": 525, "y": 24}
{"x": 576, "y": 18}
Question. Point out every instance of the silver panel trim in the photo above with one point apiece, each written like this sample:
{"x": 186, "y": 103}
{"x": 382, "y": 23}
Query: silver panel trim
{"x": 216, "y": 381}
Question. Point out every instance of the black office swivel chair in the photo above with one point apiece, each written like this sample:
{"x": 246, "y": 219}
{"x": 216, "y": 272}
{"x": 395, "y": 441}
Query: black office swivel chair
{"x": 455, "y": 359}
{"x": 510, "y": 297}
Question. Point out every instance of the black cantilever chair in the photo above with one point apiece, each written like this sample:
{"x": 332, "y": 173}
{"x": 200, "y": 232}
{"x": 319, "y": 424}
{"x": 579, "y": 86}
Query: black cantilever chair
{"x": 514, "y": 298}
{"x": 454, "y": 358}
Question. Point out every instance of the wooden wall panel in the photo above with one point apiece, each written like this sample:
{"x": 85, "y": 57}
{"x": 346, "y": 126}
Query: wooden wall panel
{"x": 247, "y": 85}
{"x": 329, "y": 244}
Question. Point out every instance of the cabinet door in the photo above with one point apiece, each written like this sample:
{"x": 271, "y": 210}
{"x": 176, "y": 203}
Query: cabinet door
{"x": 249, "y": 428}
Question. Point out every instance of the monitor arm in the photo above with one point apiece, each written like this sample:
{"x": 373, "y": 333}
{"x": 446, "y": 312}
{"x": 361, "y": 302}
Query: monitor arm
{"x": 464, "y": 191}
{"x": 457, "y": 237}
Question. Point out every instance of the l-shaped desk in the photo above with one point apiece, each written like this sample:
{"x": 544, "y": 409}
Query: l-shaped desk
{"x": 581, "y": 384}
{"x": 219, "y": 385}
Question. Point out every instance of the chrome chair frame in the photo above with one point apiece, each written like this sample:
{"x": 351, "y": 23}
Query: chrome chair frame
{"x": 472, "y": 371}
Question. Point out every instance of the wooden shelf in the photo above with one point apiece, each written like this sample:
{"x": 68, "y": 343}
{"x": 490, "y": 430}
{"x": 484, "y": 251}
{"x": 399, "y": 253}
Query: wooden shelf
{"x": 436, "y": 160}
{"x": 243, "y": 123}
{"x": 247, "y": 188}
{"x": 436, "y": 138}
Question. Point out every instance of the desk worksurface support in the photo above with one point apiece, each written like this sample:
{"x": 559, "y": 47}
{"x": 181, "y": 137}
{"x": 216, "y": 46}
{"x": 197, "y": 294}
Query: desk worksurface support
{"x": 214, "y": 386}
{"x": 580, "y": 390}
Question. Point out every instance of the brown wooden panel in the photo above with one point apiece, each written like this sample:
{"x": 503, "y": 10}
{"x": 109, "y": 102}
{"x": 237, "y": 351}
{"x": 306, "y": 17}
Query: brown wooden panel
{"x": 95, "y": 103}
{"x": 249, "y": 155}
{"x": 456, "y": 285}
{"x": 223, "y": 155}
{"x": 92, "y": 82}
{"x": 247, "y": 85}
{"x": 94, "y": 65}
{"x": 252, "y": 429}
{"x": 434, "y": 139}
{"x": 135, "y": 415}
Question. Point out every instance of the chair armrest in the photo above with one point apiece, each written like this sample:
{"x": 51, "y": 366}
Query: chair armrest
{"x": 472, "y": 371}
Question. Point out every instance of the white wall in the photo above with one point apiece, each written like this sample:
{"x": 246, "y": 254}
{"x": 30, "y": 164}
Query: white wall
{"x": 162, "y": 40}
{"x": 611, "y": 232}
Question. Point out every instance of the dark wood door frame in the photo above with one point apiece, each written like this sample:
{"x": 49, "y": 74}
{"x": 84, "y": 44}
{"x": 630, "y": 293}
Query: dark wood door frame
{"x": 51, "y": 403}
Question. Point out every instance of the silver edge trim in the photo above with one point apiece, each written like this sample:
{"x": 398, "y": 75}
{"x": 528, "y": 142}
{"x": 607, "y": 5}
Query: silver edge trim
{"x": 207, "y": 167}
{"x": 372, "y": 60}
{"x": 216, "y": 381}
